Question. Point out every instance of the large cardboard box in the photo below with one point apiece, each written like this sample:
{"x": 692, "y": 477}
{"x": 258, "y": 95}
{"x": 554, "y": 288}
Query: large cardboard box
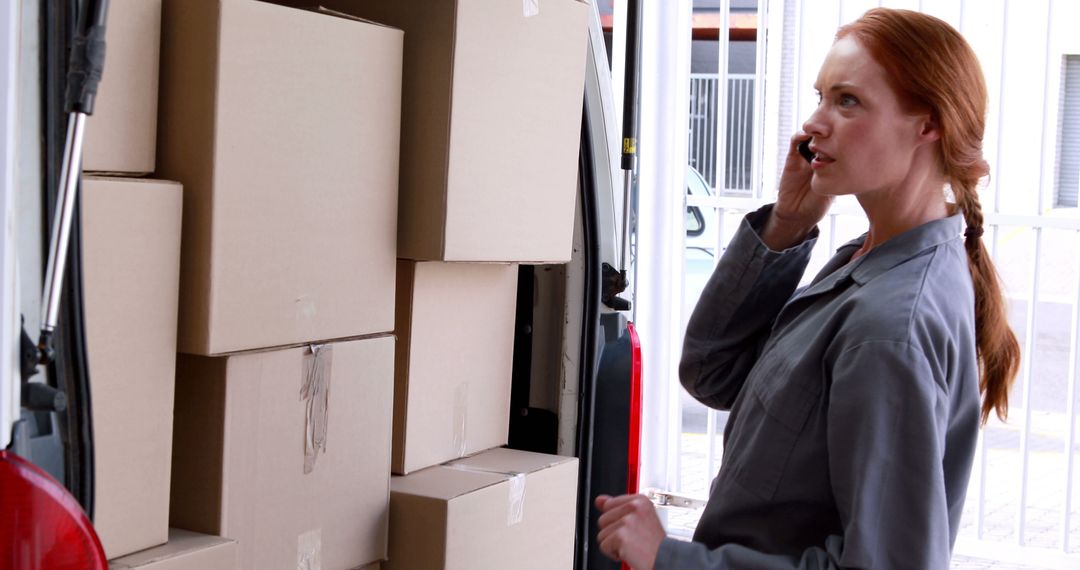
{"x": 120, "y": 135}
{"x": 499, "y": 509}
{"x": 248, "y": 463}
{"x": 185, "y": 551}
{"x": 491, "y": 125}
{"x": 131, "y": 266}
{"x": 283, "y": 125}
{"x": 455, "y": 327}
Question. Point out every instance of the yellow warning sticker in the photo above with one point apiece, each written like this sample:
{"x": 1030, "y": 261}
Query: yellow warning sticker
{"x": 629, "y": 146}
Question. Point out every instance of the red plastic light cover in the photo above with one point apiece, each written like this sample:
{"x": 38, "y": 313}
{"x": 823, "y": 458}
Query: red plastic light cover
{"x": 633, "y": 455}
{"x": 633, "y": 452}
{"x": 41, "y": 524}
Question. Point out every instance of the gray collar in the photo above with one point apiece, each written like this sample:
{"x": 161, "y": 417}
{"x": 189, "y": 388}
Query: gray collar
{"x": 901, "y": 247}
{"x": 885, "y": 256}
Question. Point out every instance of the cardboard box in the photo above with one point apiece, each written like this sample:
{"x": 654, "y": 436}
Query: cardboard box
{"x": 499, "y": 509}
{"x": 184, "y": 551}
{"x": 491, "y": 125}
{"x": 245, "y": 465}
{"x": 131, "y": 267}
{"x": 455, "y": 329}
{"x": 120, "y": 135}
{"x": 284, "y": 126}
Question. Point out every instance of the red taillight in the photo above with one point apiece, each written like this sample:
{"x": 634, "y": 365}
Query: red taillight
{"x": 41, "y": 524}
{"x": 633, "y": 454}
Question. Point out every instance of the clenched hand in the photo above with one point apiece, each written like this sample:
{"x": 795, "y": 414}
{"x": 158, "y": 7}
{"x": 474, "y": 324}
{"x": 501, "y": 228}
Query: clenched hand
{"x": 630, "y": 530}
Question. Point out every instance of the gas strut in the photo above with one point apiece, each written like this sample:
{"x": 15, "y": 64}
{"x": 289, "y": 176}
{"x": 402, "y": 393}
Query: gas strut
{"x": 615, "y": 282}
{"x": 86, "y": 64}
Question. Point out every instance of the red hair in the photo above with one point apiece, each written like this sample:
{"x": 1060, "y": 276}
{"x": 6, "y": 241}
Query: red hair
{"x": 933, "y": 69}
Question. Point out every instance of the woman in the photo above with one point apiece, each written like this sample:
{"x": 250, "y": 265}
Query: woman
{"x": 854, "y": 402}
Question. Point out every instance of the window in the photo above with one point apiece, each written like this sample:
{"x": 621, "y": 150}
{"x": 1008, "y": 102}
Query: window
{"x": 1067, "y": 178}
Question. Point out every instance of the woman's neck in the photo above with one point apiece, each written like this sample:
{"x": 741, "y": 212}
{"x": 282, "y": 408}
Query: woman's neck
{"x": 920, "y": 199}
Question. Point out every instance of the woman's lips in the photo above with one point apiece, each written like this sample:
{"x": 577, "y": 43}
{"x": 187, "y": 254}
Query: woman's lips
{"x": 821, "y": 159}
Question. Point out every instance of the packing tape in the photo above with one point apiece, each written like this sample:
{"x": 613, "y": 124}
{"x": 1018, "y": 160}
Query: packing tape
{"x": 460, "y": 419}
{"x": 315, "y": 392}
{"x": 309, "y": 550}
{"x": 515, "y": 512}
{"x": 515, "y": 505}
{"x": 531, "y": 8}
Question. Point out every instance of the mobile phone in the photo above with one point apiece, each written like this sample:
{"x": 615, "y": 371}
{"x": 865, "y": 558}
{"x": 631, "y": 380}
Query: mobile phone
{"x": 804, "y": 150}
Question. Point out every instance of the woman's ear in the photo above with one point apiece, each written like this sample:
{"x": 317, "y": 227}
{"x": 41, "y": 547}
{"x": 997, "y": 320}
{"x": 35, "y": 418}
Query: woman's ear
{"x": 929, "y": 130}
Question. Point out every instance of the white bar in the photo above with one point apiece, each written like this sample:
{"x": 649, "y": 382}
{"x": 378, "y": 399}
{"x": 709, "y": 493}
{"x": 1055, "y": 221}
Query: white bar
{"x": 665, "y": 62}
{"x": 983, "y": 445}
{"x": 710, "y": 457}
{"x": 980, "y": 525}
{"x": 991, "y": 220}
{"x": 1070, "y": 413}
{"x": 1049, "y": 221}
{"x": 721, "y": 225}
{"x": 1027, "y": 557}
{"x": 832, "y": 232}
{"x": 1029, "y": 349}
{"x": 1001, "y": 107}
{"x": 9, "y": 313}
{"x": 722, "y": 96}
{"x": 758, "y": 145}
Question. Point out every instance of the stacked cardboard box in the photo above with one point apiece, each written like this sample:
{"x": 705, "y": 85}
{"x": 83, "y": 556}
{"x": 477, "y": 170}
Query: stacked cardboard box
{"x": 131, "y": 256}
{"x": 184, "y": 551}
{"x": 131, "y": 259}
{"x": 490, "y": 135}
{"x": 498, "y": 509}
{"x": 287, "y": 451}
{"x": 284, "y": 126}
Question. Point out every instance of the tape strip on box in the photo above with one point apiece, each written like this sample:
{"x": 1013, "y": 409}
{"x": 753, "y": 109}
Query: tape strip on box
{"x": 515, "y": 507}
{"x": 309, "y": 550}
{"x": 315, "y": 392}
{"x": 460, "y": 419}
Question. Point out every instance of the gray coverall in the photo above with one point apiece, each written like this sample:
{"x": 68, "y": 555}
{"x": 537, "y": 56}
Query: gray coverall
{"x": 854, "y": 403}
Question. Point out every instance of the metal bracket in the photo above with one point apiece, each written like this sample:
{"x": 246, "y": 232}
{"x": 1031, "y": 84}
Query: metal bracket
{"x": 673, "y": 500}
{"x": 613, "y": 282}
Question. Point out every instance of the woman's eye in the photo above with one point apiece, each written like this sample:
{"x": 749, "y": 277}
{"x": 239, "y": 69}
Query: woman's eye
{"x": 848, "y": 101}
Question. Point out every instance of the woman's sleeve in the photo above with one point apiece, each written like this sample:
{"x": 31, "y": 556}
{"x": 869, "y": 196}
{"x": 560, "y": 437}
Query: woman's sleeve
{"x": 887, "y": 419}
{"x": 736, "y": 310}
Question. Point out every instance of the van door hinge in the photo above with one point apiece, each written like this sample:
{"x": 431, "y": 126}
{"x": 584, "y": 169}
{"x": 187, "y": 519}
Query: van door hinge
{"x": 674, "y": 500}
{"x": 613, "y": 282}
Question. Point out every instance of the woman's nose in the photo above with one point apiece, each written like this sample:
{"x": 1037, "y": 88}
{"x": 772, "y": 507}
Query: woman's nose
{"x": 816, "y": 125}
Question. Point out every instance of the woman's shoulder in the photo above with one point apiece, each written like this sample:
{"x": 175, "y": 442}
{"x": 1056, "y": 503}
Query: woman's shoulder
{"x": 927, "y": 298}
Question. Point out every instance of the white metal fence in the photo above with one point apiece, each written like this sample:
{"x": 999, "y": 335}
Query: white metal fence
{"x": 702, "y": 132}
{"x": 1021, "y": 505}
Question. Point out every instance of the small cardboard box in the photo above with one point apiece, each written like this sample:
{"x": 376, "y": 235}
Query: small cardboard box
{"x": 491, "y": 125}
{"x": 131, "y": 273}
{"x": 496, "y": 510}
{"x": 248, "y": 463}
{"x": 283, "y": 125}
{"x": 120, "y": 135}
{"x": 185, "y": 551}
{"x": 455, "y": 329}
